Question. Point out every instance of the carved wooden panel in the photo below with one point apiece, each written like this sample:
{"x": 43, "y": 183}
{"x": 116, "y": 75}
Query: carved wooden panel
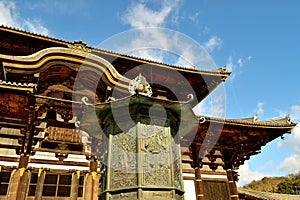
{"x": 64, "y": 134}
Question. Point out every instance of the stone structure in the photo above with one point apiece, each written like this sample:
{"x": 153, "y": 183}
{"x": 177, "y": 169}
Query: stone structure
{"x": 64, "y": 107}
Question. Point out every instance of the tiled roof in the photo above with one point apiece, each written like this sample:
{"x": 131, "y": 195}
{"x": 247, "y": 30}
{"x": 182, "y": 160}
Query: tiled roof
{"x": 220, "y": 71}
{"x": 24, "y": 32}
{"x": 266, "y": 195}
{"x": 253, "y": 121}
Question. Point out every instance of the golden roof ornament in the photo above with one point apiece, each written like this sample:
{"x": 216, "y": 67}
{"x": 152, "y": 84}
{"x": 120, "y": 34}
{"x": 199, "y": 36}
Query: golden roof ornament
{"x": 80, "y": 45}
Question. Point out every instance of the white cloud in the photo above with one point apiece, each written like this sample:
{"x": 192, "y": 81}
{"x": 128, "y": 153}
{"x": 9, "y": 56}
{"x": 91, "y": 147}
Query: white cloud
{"x": 260, "y": 108}
{"x": 195, "y": 17}
{"x": 290, "y": 164}
{"x": 240, "y": 62}
{"x": 293, "y": 140}
{"x": 214, "y": 105}
{"x": 9, "y": 16}
{"x": 217, "y": 103}
{"x": 231, "y": 67}
{"x": 150, "y": 39}
{"x": 295, "y": 112}
{"x": 230, "y": 64}
{"x": 249, "y": 58}
{"x": 205, "y": 31}
{"x": 267, "y": 165}
{"x": 247, "y": 175}
{"x": 35, "y": 26}
{"x": 154, "y": 43}
{"x": 145, "y": 42}
{"x": 202, "y": 108}
{"x": 235, "y": 66}
{"x": 213, "y": 43}
{"x": 138, "y": 15}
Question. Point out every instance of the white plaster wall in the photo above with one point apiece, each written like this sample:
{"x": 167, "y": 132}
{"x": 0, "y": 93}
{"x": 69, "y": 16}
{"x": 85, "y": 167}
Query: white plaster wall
{"x": 189, "y": 188}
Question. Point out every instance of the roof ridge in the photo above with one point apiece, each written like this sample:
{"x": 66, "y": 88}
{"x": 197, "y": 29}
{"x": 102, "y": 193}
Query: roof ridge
{"x": 33, "y": 33}
{"x": 220, "y": 70}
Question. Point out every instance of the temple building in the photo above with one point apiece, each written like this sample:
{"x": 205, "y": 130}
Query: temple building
{"x": 77, "y": 122}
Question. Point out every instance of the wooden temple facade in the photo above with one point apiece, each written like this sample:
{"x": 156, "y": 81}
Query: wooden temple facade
{"x": 75, "y": 124}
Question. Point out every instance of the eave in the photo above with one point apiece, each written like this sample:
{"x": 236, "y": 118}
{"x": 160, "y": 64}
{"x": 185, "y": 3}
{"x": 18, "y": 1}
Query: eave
{"x": 253, "y": 122}
{"x": 175, "y": 83}
{"x": 236, "y": 138}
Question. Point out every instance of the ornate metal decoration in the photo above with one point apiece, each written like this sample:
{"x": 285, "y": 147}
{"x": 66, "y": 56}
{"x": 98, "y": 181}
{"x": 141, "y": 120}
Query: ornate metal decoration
{"x": 85, "y": 101}
{"x": 190, "y": 97}
{"x": 202, "y": 120}
{"x": 124, "y": 160}
{"x": 80, "y": 45}
{"x": 155, "y": 155}
{"x": 139, "y": 85}
{"x": 110, "y": 99}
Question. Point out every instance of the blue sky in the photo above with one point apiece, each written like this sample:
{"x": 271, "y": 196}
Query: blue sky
{"x": 257, "y": 40}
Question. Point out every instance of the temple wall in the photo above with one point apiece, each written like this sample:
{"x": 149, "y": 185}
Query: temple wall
{"x": 18, "y": 183}
{"x": 204, "y": 183}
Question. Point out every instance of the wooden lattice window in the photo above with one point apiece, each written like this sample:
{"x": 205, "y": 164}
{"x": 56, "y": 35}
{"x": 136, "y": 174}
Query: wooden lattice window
{"x": 80, "y": 187}
{"x": 4, "y": 179}
{"x": 57, "y": 185}
{"x": 33, "y": 183}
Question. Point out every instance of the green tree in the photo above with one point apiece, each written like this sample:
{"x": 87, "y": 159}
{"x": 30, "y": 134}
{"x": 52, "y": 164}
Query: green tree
{"x": 289, "y": 186}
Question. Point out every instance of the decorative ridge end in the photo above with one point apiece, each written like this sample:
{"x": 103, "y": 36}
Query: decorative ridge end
{"x": 288, "y": 118}
{"x": 223, "y": 69}
{"x": 79, "y": 45}
{"x": 255, "y": 118}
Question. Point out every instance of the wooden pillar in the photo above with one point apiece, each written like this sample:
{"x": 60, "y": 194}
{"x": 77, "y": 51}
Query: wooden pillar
{"x": 19, "y": 182}
{"x": 24, "y": 184}
{"x": 199, "y": 184}
{"x": 232, "y": 186}
{"x": 95, "y": 184}
{"x": 91, "y": 182}
{"x": 74, "y": 185}
{"x": 40, "y": 184}
{"x": 13, "y": 185}
{"x": 87, "y": 194}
